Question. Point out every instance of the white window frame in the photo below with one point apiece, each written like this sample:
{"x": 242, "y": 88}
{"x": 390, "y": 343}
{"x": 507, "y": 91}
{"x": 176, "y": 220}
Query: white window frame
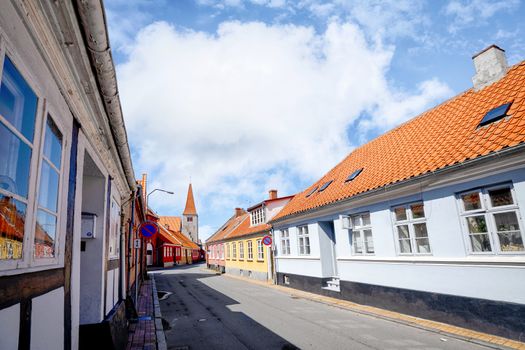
{"x": 221, "y": 250}
{"x": 258, "y": 216}
{"x": 28, "y": 262}
{"x": 260, "y": 250}
{"x": 241, "y": 250}
{"x": 285, "y": 242}
{"x": 488, "y": 211}
{"x": 227, "y": 248}
{"x": 250, "y": 250}
{"x": 234, "y": 250}
{"x": 410, "y": 222}
{"x": 360, "y": 229}
{"x": 304, "y": 234}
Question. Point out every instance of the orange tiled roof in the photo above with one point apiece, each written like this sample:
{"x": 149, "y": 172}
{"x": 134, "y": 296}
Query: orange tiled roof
{"x": 440, "y": 137}
{"x": 173, "y": 223}
{"x": 169, "y": 236}
{"x": 228, "y": 228}
{"x": 190, "y": 203}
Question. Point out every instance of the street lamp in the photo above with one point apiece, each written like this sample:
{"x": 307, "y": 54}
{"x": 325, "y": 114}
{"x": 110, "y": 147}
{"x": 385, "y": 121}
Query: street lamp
{"x": 157, "y": 189}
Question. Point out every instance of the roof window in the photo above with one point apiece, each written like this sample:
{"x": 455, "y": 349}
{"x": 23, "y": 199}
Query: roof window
{"x": 495, "y": 114}
{"x": 354, "y": 175}
{"x": 312, "y": 191}
{"x": 326, "y": 184}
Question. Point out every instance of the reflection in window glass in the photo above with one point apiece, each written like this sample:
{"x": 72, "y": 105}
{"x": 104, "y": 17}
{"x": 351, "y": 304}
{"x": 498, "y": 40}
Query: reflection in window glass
{"x": 500, "y": 197}
{"x": 18, "y": 102}
{"x": 48, "y": 194}
{"x": 479, "y": 238}
{"x": 45, "y": 234}
{"x": 53, "y": 143}
{"x": 12, "y": 220}
{"x": 401, "y": 213}
{"x": 15, "y": 159}
{"x": 417, "y": 211}
{"x": 471, "y": 201}
{"x": 404, "y": 239}
{"x": 508, "y": 231}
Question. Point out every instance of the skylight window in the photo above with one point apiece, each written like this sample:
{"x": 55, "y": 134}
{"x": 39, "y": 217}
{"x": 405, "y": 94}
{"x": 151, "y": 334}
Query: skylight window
{"x": 326, "y": 184}
{"x": 354, "y": 175}
{"x": 495, "y": 114}
{"x": 312, "y": 191}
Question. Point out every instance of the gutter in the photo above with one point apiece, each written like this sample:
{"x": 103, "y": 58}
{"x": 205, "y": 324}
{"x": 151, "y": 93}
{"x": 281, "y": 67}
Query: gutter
{"x": 474, "y": 161}
{"x": 93, "y": 23}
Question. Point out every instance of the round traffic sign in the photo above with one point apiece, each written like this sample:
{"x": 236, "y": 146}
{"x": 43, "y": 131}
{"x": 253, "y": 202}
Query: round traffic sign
{"x": 267, "y": 240}
{"x": 148, "y": 229}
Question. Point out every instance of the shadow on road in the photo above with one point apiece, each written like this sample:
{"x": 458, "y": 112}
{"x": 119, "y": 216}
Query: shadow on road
{"x": 199, "y": 317}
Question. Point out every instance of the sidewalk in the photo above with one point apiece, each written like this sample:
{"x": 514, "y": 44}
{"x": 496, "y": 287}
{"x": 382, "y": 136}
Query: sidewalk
{"x": 147, "y": 332}
{"x": 433, "y": 326}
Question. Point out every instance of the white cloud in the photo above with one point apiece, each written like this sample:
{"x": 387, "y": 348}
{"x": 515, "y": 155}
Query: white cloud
{"x": 253, "y": 106}
{"x": 475, "y": 12}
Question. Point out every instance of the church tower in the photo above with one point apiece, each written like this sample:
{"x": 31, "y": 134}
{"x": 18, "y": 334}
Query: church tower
{"x": 190, "y": 219}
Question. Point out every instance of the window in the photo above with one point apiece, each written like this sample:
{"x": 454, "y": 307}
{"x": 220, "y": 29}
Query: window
{"x": 303, "y": 240}
{"x": 362, "y": 240}
{"x": 250, "y": 250}
{"x": 189, "y": 219}
{"x": 258, "y": 216}
{"x": 353, "y": 175}
{"x": 260, "y": 250}
{"x": 495, "y": 114}
{"x": 325, "y": 185}
{"x": 491, "y": 219}
{"x": 241, "y": 250}
{"x": 234, "y": 253}
{"x": 285, "y": 242}
{"x": 227, "y": 250}
{"x": 18, "y": 106}
{"x": 114, "y": 230}
{"x": 411, "y": 229}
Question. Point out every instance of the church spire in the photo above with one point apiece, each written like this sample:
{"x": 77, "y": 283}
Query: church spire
{"x": 190, "y": 203}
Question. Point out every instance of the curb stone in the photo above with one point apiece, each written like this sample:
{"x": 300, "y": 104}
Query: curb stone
{"x": 161, "y": 337}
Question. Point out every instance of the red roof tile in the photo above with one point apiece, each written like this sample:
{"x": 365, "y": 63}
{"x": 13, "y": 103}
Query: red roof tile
{"x": 442, "y": 136}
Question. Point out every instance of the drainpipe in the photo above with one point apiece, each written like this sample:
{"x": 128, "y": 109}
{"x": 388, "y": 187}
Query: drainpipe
{"x": 93, "y": 25}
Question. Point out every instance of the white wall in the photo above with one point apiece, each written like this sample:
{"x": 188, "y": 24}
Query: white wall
{"x": 449, "y": 269}
{"x": 47, "y": 321}
{"x": 10, "y": 321}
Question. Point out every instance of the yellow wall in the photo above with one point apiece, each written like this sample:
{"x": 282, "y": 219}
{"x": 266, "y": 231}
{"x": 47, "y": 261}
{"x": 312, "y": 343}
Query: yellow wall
{"x": 246, "y": 264}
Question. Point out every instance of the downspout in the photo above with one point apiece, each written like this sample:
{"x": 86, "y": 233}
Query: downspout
{"x": 130, "y": 244}
{"x": 93, "y": 22}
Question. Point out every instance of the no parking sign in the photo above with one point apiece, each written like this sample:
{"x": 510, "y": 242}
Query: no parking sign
{"x": 267, "y": 240}
{"x": 148, "y": 229}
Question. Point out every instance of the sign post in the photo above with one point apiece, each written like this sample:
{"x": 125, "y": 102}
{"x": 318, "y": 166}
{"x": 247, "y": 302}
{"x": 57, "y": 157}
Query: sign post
{"x": 147, "y": 229}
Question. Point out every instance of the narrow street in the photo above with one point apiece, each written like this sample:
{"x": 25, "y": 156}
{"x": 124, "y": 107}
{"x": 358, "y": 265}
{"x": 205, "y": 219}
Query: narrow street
{"x": 208, "y": 311}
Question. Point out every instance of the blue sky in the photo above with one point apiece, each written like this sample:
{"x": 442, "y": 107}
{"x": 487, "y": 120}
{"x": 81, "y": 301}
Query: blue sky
{"x": 244, "y": 96}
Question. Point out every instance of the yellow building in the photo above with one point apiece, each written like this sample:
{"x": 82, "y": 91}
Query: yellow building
{"x": 245, "y": 253}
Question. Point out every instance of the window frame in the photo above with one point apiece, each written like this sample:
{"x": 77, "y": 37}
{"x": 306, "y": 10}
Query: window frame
{"x": 44, "y": 109}
{"x": 361, "y": 229}
{"x": 301, "y": 234}
{"x": 258, "y": 216}
{"x": 410, "y": 221}
{"x": 260, "y": 250}
{"x": 285, "y": 242}
{"x": 234, "y": 250}
{"x": 488, "y": 211}
{"x": 250, "y": 250}
{"x": 241, "y": 250}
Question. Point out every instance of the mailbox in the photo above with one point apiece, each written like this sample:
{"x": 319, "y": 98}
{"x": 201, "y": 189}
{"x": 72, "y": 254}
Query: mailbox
{"x": 88, "y": 227}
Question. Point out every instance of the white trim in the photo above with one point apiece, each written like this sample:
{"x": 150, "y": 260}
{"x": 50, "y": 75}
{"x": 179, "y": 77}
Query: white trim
{"x": 425, "y": 260}
{"x": 303, "y": 257}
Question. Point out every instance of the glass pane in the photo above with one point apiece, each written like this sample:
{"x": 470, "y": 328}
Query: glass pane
{"x": 45, "y": 234}
{"x": 501, "y": 196}
{"x": 405, "y": 246}
{"x": 48, "y": 193}
{"x": 356, "y": 221}
{"x": 510, "y": 241}
{"x": 417, "y": 211}
{"x": 53, "y": 144}
{"x": 400, "y": 213}
{"x": 18, "y": 102}
{"x": 422, "y": 245}
{"x": 356, "y": 241}
{"x": 477, "y": 224}
{"x": 506, "y": 221}
{"x": 12, "y": 220}
{"x": 15, "y": 160}
{"x": 471, "y": 201}
{"x": 402, "y": 231}
{"x": 480, "y": 243}
{"x": 369, "y": 242}
{"x": 420, "y": 230}
{"x": 366, "y": 219}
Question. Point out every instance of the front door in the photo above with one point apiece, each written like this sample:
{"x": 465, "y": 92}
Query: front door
{"x": 328, "y": 243}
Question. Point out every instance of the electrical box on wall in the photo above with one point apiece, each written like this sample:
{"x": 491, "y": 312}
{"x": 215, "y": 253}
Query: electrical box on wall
{"x": 88, "y": 227}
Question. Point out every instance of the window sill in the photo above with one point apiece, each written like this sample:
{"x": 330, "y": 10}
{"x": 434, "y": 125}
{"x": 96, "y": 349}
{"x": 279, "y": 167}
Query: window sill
{"x": 304, "y": 257}
{"x": 517, "y": 261}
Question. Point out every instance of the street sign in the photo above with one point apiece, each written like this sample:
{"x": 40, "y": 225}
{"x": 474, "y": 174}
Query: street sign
{"x": 148, "y": 229}
{"x": 137, "y": 244}
{"x": 267, "y": 240}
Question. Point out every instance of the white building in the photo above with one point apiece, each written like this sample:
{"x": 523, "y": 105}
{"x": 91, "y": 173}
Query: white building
{"x": 65, "y": 178}
{"x": 426, "y": 219}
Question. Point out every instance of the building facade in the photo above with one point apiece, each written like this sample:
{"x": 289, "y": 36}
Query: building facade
{"x": 190, "y": 218}
{"x": 67, "y": 190}
{"x": 427, "y": 219}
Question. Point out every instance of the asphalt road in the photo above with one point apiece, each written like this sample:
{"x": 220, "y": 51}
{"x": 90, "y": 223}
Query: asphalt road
{"x": 208, "y": 311}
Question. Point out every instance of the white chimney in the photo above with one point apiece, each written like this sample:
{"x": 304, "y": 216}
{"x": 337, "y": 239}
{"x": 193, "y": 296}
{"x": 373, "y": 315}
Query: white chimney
{"x": 491, "y": 66}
